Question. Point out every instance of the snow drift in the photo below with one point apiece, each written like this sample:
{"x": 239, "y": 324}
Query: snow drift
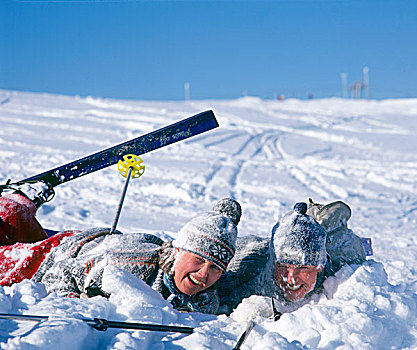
{"x": 267, "y": 155}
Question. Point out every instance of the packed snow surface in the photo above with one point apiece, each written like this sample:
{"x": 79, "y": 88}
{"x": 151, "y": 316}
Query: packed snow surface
{"x": 266, "y": 154}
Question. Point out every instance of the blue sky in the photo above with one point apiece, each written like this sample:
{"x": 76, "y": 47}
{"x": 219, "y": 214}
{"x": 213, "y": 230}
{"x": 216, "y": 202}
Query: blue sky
{"x": 223, "y": 49}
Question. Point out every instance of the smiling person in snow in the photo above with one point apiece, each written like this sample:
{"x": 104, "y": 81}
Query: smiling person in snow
{"x": 292, "y": 265}
{"x": 71, "y": 263}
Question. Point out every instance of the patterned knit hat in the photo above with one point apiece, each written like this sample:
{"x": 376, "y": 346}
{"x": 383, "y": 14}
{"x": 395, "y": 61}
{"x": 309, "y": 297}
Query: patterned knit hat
{"x": 299, "y": 239}
{"x": 212, "y": 235}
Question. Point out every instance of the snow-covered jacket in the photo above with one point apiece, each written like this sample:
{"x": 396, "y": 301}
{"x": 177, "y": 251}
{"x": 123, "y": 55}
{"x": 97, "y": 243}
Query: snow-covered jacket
{"x": 249, "y": 273}
{"x": 76, "y": 266}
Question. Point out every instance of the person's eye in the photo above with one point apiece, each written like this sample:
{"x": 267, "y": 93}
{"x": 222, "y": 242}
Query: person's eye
{"x": 200, "y": 260}
{"x": 215, "y": 267}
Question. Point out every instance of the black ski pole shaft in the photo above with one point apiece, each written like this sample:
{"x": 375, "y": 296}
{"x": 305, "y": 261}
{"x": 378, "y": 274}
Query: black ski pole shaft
{"x": 102, "y": 324}
{"x": 122, "y": 198}
{"x": 23, "y": 317}
{"x": 244, "y": 335}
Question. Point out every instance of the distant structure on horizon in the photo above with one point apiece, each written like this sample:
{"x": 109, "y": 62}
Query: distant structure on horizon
{"x": 187, "y": 91}
{"x": 343, "y": 76}
{"x": 358, "y": 87}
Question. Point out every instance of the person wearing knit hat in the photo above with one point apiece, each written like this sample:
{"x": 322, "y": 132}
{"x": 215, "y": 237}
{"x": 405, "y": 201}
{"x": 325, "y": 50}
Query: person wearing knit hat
{"x": 184, "y": 271}
{"x": 204, "y": 247}
{"x": 210, "y": 235}
{"x": 288, "y": 267}
{"x": 299, "y": 246}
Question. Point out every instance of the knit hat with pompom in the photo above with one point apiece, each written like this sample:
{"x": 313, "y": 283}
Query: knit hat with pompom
{"x": 299, "y": 239}
{"x": 212, "y": 235}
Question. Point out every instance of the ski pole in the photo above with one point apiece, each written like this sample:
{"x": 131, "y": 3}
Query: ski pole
{"x": 101, "y": 324}
{"x": 244, "y": 335}
{"x": 130, "y": 166}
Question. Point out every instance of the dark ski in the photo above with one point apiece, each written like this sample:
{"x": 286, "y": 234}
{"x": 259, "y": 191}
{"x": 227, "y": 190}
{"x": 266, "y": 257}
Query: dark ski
{"x": 170, "y": 134}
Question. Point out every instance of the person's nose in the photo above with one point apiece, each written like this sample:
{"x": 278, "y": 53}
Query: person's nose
{"x": 204, "y": 271}
{"x": 290, "y": 275}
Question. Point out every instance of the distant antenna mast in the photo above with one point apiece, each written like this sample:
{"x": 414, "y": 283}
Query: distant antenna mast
{"x": 357, "y": 89}
{"x": 343, "y": 76}
{"x": 366, "y": 81}
{"x": 187, "y": 91}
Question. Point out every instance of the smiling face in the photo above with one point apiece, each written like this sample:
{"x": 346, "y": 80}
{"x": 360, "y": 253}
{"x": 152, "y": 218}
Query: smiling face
{"x": 295, "y": 281}
{"x": 192, "y": 273}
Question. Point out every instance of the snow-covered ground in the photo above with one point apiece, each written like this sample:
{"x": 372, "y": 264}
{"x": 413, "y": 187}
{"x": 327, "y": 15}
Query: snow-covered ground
{"x": 267, "y": 155}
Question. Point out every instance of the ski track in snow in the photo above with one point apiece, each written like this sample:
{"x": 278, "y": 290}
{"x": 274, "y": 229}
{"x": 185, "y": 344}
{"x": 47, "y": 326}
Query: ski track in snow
{"x": 266, "y": 154}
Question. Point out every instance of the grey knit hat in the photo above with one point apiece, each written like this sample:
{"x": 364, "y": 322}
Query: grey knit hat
{"x": 299, "y": 239}
{"x": 212, "y": 235}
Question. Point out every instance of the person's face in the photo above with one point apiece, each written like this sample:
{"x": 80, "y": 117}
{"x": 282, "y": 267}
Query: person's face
{"x": 295, "y": 281}
{"x": 192, "y": 273}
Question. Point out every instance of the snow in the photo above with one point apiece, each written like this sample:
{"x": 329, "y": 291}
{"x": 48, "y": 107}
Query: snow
{"x": 266, "y": 154}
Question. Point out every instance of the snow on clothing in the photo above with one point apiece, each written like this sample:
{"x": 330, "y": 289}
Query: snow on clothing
{"x": 22, "y": 260}
{"x": 76, "y": 261}
{"x": 75, "y": 264}
{"x": 250, "y": 272}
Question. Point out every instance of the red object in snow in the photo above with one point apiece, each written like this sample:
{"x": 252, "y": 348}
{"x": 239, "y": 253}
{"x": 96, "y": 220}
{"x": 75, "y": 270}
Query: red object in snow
{"x": 18, "y": 222}
{"x": 21, "y": 260}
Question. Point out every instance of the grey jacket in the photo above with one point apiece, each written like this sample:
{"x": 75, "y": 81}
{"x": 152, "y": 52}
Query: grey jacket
{"x": 249, "y": 273}
{"x": 76, "y": 266}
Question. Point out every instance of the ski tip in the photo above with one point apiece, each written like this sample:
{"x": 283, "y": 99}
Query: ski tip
{"x": 214, "y": 117}
{"x": 211, "y": 115}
